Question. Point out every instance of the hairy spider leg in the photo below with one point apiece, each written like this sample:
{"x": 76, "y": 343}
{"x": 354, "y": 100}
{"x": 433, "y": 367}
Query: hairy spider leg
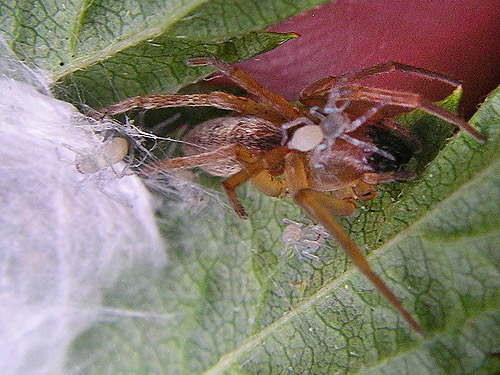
{"x": 392, "y": 125}
{"x": 263, "y": 95}
{"x": 254, "y": 169}
{"x": 392, "y": 66}
{"x": 188, "y": 162}
{"x": 322, "y": 86}
{"x": 217, "y": 99}
{"x": 257, "y": 171}
{"x": 320, "y": 207}
{"x": 361, "y": 120}
{"x": 319, "y": 89}
{"x": 408, "y": 100}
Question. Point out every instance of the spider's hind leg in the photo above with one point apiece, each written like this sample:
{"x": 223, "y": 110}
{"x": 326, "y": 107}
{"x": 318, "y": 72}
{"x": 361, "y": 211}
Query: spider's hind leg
{"x": 257, "y": 170}
{"x": 314, "y": 204}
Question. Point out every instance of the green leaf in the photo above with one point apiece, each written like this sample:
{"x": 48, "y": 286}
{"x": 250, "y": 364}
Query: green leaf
{"x": 233, "y": 308}
{"x": 99, "y": 52}
{"x": 225, "y": 303}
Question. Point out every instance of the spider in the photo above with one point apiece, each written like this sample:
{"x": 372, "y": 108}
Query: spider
{"x": 315, "y": 151}
{"x": 304, "y": 239}
{"x": 112, "y": 150}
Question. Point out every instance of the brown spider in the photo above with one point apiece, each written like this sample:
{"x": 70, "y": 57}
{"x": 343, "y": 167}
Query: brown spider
{"x": 316, "y": 146}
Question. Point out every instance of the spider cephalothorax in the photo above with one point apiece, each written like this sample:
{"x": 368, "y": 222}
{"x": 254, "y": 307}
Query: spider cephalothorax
{"x": 326, "y": 157}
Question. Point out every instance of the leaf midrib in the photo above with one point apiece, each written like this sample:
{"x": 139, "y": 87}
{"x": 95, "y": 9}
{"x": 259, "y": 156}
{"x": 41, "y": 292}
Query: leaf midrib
{"x": 225, "y": 361}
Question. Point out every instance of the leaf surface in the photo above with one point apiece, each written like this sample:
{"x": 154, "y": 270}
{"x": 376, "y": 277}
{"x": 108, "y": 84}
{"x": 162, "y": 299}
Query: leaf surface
{"x": 99, "y": 52}
{"x": 237, "y": 309}
{"x": 225, "y": 303}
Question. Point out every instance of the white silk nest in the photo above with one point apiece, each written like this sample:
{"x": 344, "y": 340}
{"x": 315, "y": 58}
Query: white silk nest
{"x": 65, "y": 237}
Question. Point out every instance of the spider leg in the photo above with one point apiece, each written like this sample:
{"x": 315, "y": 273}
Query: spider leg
{"x": 408, "y": 100}
{"x": 229, "y": 185}
{"x": 263, "y": 181}
{"x": 322, "y": 86}
{"x": 392, "y": 66}
{"x": 392, "y": 125}
{"x": 366, "y": 146}
{"x": 215, "y": 99}
{"x": 188, "y": 162}
{"x": 263, "y": 95}
{"x": 310, "y": 201}
{"x": 255, "y": 170}
{"x": 365, "y": 117}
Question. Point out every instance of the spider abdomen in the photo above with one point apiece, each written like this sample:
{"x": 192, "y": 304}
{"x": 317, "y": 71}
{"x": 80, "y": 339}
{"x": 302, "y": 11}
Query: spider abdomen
{"x": 400, "y": 147}
{"x": 256, "y": 134}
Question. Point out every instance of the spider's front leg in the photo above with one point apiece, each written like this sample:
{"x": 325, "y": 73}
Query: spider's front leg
{"x": 201, "y": 160}
{"x": 407, "y": 100}
{"x": 320, "y": 207}
{"x": 242, "y": 79}
{"x": 216, "y": 99}
{"x": 321, "y": 87}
